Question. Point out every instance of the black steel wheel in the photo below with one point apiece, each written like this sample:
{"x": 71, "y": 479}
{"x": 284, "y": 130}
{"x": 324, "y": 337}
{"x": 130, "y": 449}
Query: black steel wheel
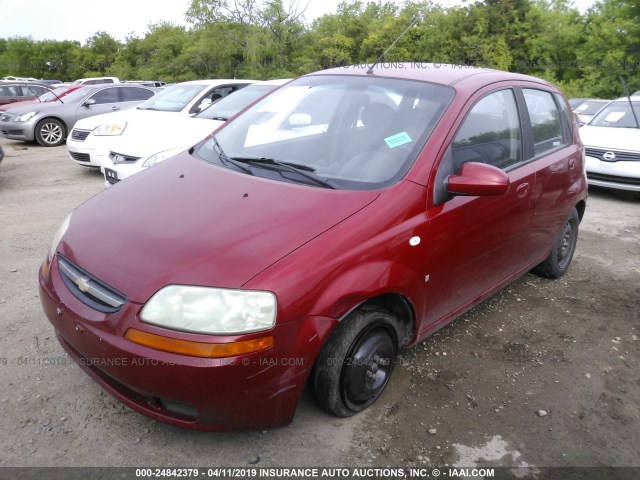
{"x": 356, "y": 364}
{"x": 564, "y": 246}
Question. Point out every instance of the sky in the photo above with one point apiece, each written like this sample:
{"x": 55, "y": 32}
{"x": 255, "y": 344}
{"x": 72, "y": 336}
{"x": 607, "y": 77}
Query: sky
{"x": 80, "y": 19}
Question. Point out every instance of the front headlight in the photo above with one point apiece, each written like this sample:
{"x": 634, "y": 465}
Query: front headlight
{"x": 25, "y": 117}
{"x": 211, "y": 310}
{"x": 58, "y": 235}
{"x": 159, "y": 157}
{"x": 110, "y": 129}
{"x": 46, "y": 266}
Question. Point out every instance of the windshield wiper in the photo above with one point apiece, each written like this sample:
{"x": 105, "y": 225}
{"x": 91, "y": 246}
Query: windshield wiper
{"x": 289, "y": 166}
{"x": 229, "y": 161}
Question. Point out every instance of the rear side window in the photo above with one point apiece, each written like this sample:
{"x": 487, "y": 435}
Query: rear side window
{"x": 545, "y": 121}
{"x": 567, "y": 117}
{"x": 490, "y": 133}
{"x": 133, "y": 94}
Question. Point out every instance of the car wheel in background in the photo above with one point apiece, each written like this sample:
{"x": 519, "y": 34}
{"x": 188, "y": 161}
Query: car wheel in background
{"x": 50, "y": 132}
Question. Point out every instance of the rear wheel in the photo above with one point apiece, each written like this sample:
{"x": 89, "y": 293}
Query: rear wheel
{"x": 564, "y": 246}
{"x": 356, "y": 364}
{"x": 50, "y": 132}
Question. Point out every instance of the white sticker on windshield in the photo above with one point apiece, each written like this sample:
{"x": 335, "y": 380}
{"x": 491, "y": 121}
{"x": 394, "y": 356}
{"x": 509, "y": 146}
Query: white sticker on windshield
{"x": 614, "y": 117}
{"x": 397, "y": 140}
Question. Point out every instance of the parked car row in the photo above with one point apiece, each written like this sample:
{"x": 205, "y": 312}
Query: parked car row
{"x": 126, "y": 143}
{"x": 49, "y": 123}
{"x": 343, "y": 216}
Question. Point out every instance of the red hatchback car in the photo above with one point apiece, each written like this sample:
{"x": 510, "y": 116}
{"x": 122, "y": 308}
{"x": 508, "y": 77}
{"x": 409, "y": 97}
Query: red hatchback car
{"x": 346, "y": 215}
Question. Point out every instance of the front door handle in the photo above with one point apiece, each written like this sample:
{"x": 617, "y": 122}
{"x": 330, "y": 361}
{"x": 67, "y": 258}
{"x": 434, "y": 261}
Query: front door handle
{"x": 572, "y": 163}
{"x": 522, "y": 190}
{"x": 115, "y": 108}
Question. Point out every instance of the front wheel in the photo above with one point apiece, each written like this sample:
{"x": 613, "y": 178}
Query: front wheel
{"x": 357, "y": 362}
{"x": 50, "y": 132}
{"x": 564, "y": 246}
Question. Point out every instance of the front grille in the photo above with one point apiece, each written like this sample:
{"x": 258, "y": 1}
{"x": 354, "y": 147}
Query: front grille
{"x": 117, "y": 158}
{"x": 80, "y": 135}
{"x": 88, "y": 289}
{"x": 620, "y": 156}
{"x": 613, "y": 178}
{"x": 80, "y": 157}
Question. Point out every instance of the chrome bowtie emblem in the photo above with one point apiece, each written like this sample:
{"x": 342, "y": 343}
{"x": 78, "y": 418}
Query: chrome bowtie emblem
{"x": 82, "y": 283}
{"x": 609, "y": 156}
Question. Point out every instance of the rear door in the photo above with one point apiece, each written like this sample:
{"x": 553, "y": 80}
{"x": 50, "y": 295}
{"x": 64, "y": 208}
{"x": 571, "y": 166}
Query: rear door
{"x": 557, "y": 162}
{"x": 479, "y": 243}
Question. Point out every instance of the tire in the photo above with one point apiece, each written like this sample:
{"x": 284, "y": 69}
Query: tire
{"x": 50, "y": 132}
{"x": 357, "y": 361}
{"x": 564, "y": 246}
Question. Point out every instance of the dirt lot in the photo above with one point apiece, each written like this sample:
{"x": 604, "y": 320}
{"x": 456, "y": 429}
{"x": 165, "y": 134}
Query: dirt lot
{"x": 543, "y": 374}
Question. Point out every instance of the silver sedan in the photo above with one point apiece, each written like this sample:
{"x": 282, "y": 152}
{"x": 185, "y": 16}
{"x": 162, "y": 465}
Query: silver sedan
{"x": 50, "y": 123}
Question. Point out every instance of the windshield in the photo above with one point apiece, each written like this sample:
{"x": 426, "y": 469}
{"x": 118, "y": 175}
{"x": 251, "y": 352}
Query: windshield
{"x": 78, "y": 95}
{"x": 348, "y": 132}
{"x": 590, "y": 107}
{"x": 53, "y": 95}
{"x": 227, "y": 107}
{"x": 172, "y": 99}
{"x": 618, "y": 115}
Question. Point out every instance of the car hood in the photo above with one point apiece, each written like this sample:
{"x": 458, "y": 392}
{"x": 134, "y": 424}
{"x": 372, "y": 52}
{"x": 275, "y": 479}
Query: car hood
{"x": 611, "y": 138}
{"x": 157, "y": 133}
{"x": 40, "y": 107}
{"x": 92, "y": 122}
{"x": 18, "y": 104}
{"x": 186, "y": 221}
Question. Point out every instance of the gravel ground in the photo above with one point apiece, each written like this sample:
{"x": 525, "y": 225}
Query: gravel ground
{"x": 545, "y": 373}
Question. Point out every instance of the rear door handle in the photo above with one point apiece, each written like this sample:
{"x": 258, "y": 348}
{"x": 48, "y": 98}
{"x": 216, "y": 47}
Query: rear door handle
{"x": 522, "y": 190}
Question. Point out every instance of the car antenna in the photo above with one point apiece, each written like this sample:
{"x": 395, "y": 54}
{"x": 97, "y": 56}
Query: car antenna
{"x": 381, "y": 57}
{"x": 626, "y": 92}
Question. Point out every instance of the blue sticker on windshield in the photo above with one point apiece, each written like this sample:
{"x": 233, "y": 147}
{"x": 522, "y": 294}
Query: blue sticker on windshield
{"x": 397, "y": 140}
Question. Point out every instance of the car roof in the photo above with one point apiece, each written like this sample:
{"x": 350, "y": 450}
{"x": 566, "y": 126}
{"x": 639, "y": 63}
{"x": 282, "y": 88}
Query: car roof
{"x": 278, "y": 81}
{"x": 9, "y": 83}
{"x": 634, "y": 98}
{"x": 215, "y": 81}
{"x": 438, "y": 73}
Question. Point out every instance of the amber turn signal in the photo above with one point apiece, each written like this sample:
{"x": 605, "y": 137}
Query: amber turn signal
{"x": 197, "y": 349}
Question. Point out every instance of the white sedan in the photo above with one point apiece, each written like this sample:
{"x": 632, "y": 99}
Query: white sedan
{"x": 612, "y": 146}
{"x": 92, "y": 135}
{"x": 129, "y": 155}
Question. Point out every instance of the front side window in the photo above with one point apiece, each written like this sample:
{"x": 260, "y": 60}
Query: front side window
{"x": 344, "y": 132}
{"x": 490, "y": 133}
{"x": 545, "y": 121}
{"x": 108, "y": 95}
{"x": 230, "y": 105}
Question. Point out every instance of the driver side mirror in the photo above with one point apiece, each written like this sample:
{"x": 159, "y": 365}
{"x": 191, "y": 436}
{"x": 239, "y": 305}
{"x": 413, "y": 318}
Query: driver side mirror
{"x": 89, "y": 102}
{"x": 478, "y": 179}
